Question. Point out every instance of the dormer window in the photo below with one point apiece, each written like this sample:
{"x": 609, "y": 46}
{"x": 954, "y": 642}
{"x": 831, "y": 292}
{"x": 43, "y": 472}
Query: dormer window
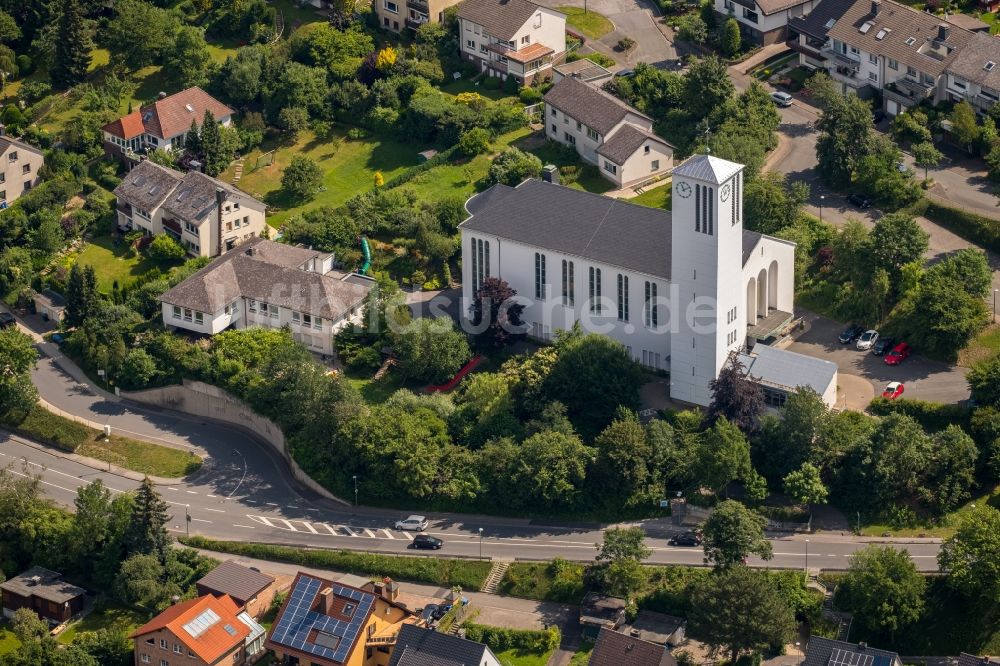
{"x": 829, "y": 24}
{"x": 865, "y": 27}
{"x": 910, "y": 41}
{"x": 989, "y": 66}
{"x": 348, "y": 608}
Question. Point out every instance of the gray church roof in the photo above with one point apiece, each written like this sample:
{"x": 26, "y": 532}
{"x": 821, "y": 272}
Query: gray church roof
{"x": 708, "y": 168}
{"x": 786, "y": 371}
{"x": 573, "y": 222}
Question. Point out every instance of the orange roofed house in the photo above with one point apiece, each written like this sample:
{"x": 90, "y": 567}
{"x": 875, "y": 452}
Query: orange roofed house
{"x": 163, "y": 124}
{"x": 329, "y": 624}
{"x": 205, "y": 631}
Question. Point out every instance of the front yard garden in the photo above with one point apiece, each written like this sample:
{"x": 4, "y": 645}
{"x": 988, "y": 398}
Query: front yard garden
{"x": 115, "y": 262}
{"x": 590, "y": 23}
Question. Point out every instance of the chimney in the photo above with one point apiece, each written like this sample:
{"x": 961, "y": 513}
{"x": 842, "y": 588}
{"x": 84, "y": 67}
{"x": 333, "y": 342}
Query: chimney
{"x": 550, "y": 173}
{"x": 942, "y": 34}
{"x": 876, "y": 6}
{"x": 390, "y": 589}
{"x": 220, "y": 199}
{"x": 862, "y": 646}
{"x": 3, "y": 129}
{"x": 326, "y": 601}
{"x": 161, "y": 95}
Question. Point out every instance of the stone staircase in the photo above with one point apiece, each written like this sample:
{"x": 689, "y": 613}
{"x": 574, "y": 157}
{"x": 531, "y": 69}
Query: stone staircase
{"x": 493, "y": 579}
{"x": 238, "y": 171}
{"x": 843, "y": 620}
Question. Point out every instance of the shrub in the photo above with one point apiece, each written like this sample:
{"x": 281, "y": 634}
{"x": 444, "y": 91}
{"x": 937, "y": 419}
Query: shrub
{"x": 491, "y": 83}
{"x": 514, "y": 165}
{"x": 356, "y": 133}
{"x": 475, "y": 141}
{"x": 627, "y": 43}
{"x": 510, "y": 85}
{"x": 499, "y": 639}
{"x": 164, "y": 248}
{"x": 529, "y": 96}
{"x": 24, "y": 65}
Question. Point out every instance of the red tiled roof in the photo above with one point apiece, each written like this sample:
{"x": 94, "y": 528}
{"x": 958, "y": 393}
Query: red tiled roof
{"x": 213, "y": 640}
{"x": 166, "y": 118}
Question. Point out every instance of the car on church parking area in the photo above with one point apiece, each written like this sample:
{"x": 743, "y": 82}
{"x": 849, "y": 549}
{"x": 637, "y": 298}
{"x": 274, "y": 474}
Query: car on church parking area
{"x": 867, "y": 339}
{"x": 898, "y": 354}
{"x": 882, "y": 345}
{"x": 781, "y": 99}
{"x": 850, "y": 334}
{"x": 893, "y": 390}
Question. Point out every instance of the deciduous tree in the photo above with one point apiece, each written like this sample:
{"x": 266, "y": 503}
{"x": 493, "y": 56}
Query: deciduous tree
{"x": 431, "y": 350}
{"x": 737, "y": 397}
{"x": 926, "y": 156}
{"x": 188, "y": 60}
{"x": 731, "y": 42}
{"x": 302, "y": 178}
{"x": 17, "y": 357}
{"x": 732, "y": 533}
{"x": 883, "y": 589}
{"x": 805, "y": 485}
{"x": 495, "y": 303}
{"x": 971, "y": 556}
{"x": 618, "y": 566}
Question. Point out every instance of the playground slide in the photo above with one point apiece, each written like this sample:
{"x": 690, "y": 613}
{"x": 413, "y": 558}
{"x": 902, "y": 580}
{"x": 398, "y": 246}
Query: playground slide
{"x": 368, "y": 257}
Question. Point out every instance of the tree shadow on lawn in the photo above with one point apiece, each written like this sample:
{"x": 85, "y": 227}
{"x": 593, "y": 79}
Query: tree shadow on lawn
{"x": 389, "y": 155}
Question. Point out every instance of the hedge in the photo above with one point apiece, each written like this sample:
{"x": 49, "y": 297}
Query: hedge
{"x": 499, "y": 639}
{"x": 932, "y": 416}
{"x": 974, "y": 228}
{"x": 413, "y": 172}
{"x": 469, "y": 574}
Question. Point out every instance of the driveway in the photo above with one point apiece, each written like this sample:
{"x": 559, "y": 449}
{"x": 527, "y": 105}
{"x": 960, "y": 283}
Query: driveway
{"x": 961, "y": 182}
{"x": 924, "y": 379}
{"x": 631, "y": 18}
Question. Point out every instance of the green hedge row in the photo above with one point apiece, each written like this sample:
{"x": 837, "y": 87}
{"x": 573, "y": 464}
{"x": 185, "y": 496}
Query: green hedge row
{"x": 499, "y": 639}
{"x": 469, "y": 574}
{"x": 413, "y": 172}
{"x": 974, "y": 228}
{"x": 49, "y": 428}
{"x": 932, "y": 416}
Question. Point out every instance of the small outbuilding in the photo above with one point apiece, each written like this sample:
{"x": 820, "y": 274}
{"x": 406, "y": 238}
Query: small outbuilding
{"x": 601, "y": 611}
{"x": 50, "y": 305}
{"x": 251, "y": 589}
{"x": 43, "y": 591}
{"x": 657, "y": 628}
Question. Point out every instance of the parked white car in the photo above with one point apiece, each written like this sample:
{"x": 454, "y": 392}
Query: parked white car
{"x": 412, "y": 523}
{"x": 867, "y": 339}
{"x": 781, "y": 98}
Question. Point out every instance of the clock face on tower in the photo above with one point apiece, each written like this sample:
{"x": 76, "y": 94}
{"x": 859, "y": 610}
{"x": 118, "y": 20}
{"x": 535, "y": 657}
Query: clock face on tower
{"x": 724, "y": 193}
{"x": 684, "y": 190}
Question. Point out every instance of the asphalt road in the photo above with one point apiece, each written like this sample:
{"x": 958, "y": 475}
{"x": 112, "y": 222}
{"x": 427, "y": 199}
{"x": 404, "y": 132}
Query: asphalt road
{"x": 222, "y": 504}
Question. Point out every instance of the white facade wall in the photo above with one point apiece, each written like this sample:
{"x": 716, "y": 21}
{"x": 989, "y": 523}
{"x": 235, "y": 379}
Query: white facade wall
{"x": 640, "y": 166}
{"x": 768, "y": 279}
{"x": 546, "y": 27}
{"x": 515, "y": 263}
{"x": 707, "y": 271}
{"x": 565, "y": 129}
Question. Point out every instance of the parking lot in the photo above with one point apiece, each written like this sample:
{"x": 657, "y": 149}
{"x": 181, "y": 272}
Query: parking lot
{"x": 923, "y": 378}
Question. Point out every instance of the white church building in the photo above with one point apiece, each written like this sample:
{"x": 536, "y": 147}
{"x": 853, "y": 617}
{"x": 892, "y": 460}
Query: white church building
{"x": 684, "y": 291}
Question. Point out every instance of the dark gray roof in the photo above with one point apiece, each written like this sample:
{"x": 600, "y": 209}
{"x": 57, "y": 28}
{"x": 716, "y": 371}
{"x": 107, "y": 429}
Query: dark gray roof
{"x": 416, "y": 646}
{"x": 970, "y": 23}
{"x": 246, "y": 272}
{"x": 240, "y": 582}
{"x": 616, "y": 649}
{"x": 708, "y": 168}
{"x": 54, "y": 298}
{"x": 148, "y": 185}
{"x": 816, "y": 22}
{"x": 657, "y": 627}
{"x": 786, "y": 370}
{"x": 590, "y": 105}
{"x": 501, "y": 18}
{"x": 887, "y": 33}
{"x": 583, "y": 69}
{"x": 574, "y": 222}
{"x": 9, "y": 142}
{"x": 44, "y": 584}
{"x": 826, "y": 652}
{"x": 970, "y": 62}
{"x": 623, "y": 143}
{"x": 965, "y": 659}
{"x": 601, "y": 608}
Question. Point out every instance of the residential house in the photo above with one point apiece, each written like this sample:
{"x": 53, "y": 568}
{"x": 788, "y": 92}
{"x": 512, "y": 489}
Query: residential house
{"x": 163, "y": 124}
{"x": 620, "y": 269}
{"x": 613, "y": 648}
{"x": 44, "y": 592}
{"x": 416, "y": 646}
{"x": 512, "y": 38}
{"x": 606, "y": 132}
{"x": 205, "y": 631}
{"x": 205, "y": 215}
{"x": 20, "y": 164}
{"x": 908, "y": 56}
{"x": 273, "y": 285}
{"x": 251, "y": 589}
{"x": 828, "y": 652}
{"x": 398, "y": 14}
{"x": 965, "y": 659}
{"x": 323, "y": 623}
{"x": 51, "y": 306}
{"x": 763, "y": 21}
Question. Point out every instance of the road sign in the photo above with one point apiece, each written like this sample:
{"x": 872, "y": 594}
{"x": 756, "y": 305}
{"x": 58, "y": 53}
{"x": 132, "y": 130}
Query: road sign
{"x": 664, "y": 503}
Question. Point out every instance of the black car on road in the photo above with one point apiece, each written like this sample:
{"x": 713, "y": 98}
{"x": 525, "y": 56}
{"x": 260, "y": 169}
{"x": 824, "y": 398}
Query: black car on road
{"x": 6, "y": 320}
{"x": 686, "y": 539}
{"x": 860, "y": 201}
{"x": 851, "y": 334}
{"x": 427, "y": 541}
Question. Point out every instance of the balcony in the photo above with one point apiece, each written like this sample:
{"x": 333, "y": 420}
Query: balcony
{"x": 843, "y": 59}
{"x": 419, "y": 6}
{"x": 499, "y": 47}
{"x": 389, "y": 639}
{"x": 125, "y": 209}
{"x": 911, "y": 89}
{"x": 415, "y": 22}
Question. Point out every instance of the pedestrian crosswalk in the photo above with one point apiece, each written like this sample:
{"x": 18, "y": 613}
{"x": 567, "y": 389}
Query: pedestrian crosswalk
{"x": 326, "y": 529}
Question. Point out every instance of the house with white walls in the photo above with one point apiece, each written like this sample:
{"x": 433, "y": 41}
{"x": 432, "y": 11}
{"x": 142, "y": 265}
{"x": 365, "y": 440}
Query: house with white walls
{"x": 685, "y": 292}
{"x": 606, "y": 132}
{"x": 511, "y": 38}
{"x": 763, "y": 21}
{"x": 269, "y": 284}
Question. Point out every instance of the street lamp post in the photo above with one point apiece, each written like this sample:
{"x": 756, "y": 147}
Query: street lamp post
{"x": 355, "y": 477}
{"x": 187, "y": 521}
{"x": 807, "y": 559}
{"x": 995, "y": 305}
{"x": 480, "y": 543}
{"x": 822, "y": 198}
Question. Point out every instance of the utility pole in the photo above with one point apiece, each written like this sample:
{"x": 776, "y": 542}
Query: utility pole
{"x": 480, "y": 543}
{"x": 355, "y": 477}
{"x": 822, "y": 197}
{"x": 807, "y": 559}
{"x": 187, "y": 521}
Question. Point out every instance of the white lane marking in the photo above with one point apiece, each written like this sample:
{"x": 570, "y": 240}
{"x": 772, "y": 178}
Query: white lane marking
{"x": 288, "y": 524}
{"x": 249, "y": 501}
{"x": 290, "y": 506}
{"x": 175, "y": 529}
{"x": 171, "y": 488}
{"x": 244, "y": 473}
{"x": 309, "y": 509}
{"x": 54, "y": 471}
{"x": 270, "y": 503}
{"x": 308, "y": 526}
{"x": 349, "y": 531}
{"x": 190, "y": 492}
{"x": 249, "y": 527}
{"x": 46, "y": 483}
{"x": 388, "y": 534}
{"x": 369, "y": 533}
{"x": 407, "y": 535}
{"x": 177, "y": 503}
{"x": 261, "y": 519}
{"x": 329, "y": 529}
{"x": 201, "y": 520}
{"x": 215, "y": 510}
{"x": 212, "y": 496}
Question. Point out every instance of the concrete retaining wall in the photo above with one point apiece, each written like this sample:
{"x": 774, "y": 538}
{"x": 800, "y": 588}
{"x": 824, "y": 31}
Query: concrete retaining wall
{"x": 207, "y": 401}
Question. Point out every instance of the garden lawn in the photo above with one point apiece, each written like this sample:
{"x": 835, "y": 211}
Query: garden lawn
{"x": 348, "y": 167}
{"x": 984, "y": 346}
{"x": 8, "y": 641}
{"x": 582, "y": 655}
{"x": 944, "y": 528}
{"x": 126, "y": 619}
{"x": 68, "y": 435}
{"x": 658, "y": 197}
{"x": 591, "y": 24}
{"x": 463, "y": 85}
{"x": 116, "y": 263}
{"x": 516, "y": 657}
{"x": 589, "y": 178}
{"x": 374, "y": 392}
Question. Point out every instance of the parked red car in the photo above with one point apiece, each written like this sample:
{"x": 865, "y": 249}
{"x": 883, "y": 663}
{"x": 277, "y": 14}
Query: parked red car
{"x": 893, "y": 390}
{"x": 898, "y": 354}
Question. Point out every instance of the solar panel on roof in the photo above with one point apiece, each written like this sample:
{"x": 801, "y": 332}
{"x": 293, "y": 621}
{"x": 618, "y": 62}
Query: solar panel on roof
{"x": 202, "y": 623}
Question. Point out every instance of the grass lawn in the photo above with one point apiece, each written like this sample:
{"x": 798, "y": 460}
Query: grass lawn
{"x": 589, "y": 180}
{"x": 582, "y": 655}
{"x": 591, "y": 24}
{"x": 135, "y": 455}
{"x": 658, "y": 197}
{"x": 374, "y": 392}
{"x": 944, "y": 527}
{"x": 466, "y": 85}
{"x": 295, "y": 15}
{"x": 348, "y": 167}
{"x": 515, "y": 657}
{"x": 984, "y": 346}
{"x": 8, "y": 641}
{"x": 115, "y": 263}
{"x": 126, "y": 619}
